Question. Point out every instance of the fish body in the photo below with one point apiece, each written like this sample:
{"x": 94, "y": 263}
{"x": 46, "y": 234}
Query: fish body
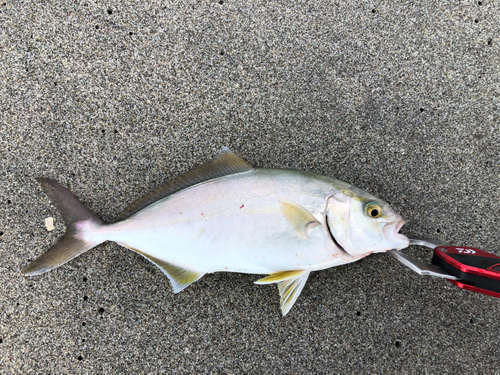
{"x": 236, "y": 223}
{"x": 227, "y": 216}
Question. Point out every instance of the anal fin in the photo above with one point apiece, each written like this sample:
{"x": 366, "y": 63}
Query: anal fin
{"x": 180, "y": 277}
{"x": 290, "y": 285}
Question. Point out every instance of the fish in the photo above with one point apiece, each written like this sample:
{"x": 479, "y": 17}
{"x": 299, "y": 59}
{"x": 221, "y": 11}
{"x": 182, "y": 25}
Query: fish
{"x": 226, "y": 216}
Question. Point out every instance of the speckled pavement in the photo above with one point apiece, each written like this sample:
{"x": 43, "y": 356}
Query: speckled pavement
{"x": 398, "y": 98}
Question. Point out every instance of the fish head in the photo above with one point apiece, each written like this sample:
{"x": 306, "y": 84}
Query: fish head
{"x": 360, "y": 223}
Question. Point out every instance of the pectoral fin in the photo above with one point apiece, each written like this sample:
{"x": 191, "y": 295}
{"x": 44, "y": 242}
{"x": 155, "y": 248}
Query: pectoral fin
{"x": 301, "y": 219}
{"x": 290, "y": 284}
{"x": 179, "y": 277}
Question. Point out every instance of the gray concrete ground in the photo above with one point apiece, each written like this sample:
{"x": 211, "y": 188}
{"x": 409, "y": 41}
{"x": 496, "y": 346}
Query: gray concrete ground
{"x": 399, "y": 98}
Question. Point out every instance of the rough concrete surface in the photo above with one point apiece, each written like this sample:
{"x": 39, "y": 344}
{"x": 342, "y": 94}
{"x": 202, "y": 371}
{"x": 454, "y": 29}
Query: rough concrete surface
{"x": 111, "y": 99}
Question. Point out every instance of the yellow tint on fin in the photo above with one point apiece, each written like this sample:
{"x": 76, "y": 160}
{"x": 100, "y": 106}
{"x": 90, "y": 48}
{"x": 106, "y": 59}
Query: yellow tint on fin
{"x": 290, "y": 291}
{"x": 179, "y": 277}
{"x": 301, "y": 219}
{"x": 276, "y": 277}
{"x": 290, "y": 284}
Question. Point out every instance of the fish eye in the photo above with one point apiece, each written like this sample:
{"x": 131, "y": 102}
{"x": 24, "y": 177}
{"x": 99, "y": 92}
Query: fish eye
{"x": 373, "y": 210}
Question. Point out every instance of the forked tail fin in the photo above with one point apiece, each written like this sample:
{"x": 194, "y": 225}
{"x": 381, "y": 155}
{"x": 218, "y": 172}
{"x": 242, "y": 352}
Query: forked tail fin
{"x": 78, "y": 219}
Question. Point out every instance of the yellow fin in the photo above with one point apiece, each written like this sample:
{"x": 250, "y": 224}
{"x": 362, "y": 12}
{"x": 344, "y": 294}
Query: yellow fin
{"x": 290, "y": 284}
{"x": 290, "y": 290}
{"x": 276, "y": 277}
{"x": 179, "y": 277}
{"x": 301, "y": 219}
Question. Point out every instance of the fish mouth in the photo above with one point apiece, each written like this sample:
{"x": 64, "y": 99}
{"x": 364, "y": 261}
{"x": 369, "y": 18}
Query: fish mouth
{"x": 397, "y": 240}
{"x": 391, "y": 231}
{"x": 399, "y": 225}
{"x": 333, "y": 237}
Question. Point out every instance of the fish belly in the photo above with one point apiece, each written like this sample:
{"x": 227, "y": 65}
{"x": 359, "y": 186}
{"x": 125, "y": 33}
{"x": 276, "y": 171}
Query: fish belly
{"x": 235, "y": 224}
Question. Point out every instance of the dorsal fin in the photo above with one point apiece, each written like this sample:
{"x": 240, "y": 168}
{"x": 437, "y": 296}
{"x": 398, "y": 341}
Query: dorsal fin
{"x": 179, "y": 277}
{"x": 224, "y": 164}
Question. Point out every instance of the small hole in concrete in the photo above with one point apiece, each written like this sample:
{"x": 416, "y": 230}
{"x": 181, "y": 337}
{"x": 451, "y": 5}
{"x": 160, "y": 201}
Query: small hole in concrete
{"x": 1, "y": 233}
{"x": 421, "y": 109}
{"x": 358, "y": 313}
{"x": 221, "y": 53}
{"x": 80, "y": 358}
{"x": 97, "y": 27}
{"x": 84, "y": 324}
{"x": 110, "y": 11}
{"x": 85, "y": 298}
{"x": 490, "y": 42}
{"x": 116, "y": 131}
{"x": 476, "y": 20}
{"x": 131, "y": 33}
{"x": 103, "y": 131}
{"x": 471, "y": 320}
{"x": 221, "y": 2}
{"x": 438, "y": 230}
{"x": 398, "y": 344}
{"x": 9, "y": 201}
{"x": 373, "y": 10}
{"x": 101, "y": 310}
{"x": 17, "y": 304}
{"x": 83, "y": 340}
{"x": 479, "y": 3}
{"x": 84, "y": 279}
{"x": 397, "y": 108}
{"x": 1, "y": 341}
{"x": 55, "y": 83}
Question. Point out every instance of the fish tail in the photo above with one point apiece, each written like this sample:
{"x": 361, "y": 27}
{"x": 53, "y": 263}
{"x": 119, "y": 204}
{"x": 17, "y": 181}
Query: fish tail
{"x": 80, "y": 223}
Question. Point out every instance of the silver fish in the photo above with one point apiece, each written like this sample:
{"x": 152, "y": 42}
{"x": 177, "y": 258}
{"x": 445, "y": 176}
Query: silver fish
{"x": 225, "y": 216}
